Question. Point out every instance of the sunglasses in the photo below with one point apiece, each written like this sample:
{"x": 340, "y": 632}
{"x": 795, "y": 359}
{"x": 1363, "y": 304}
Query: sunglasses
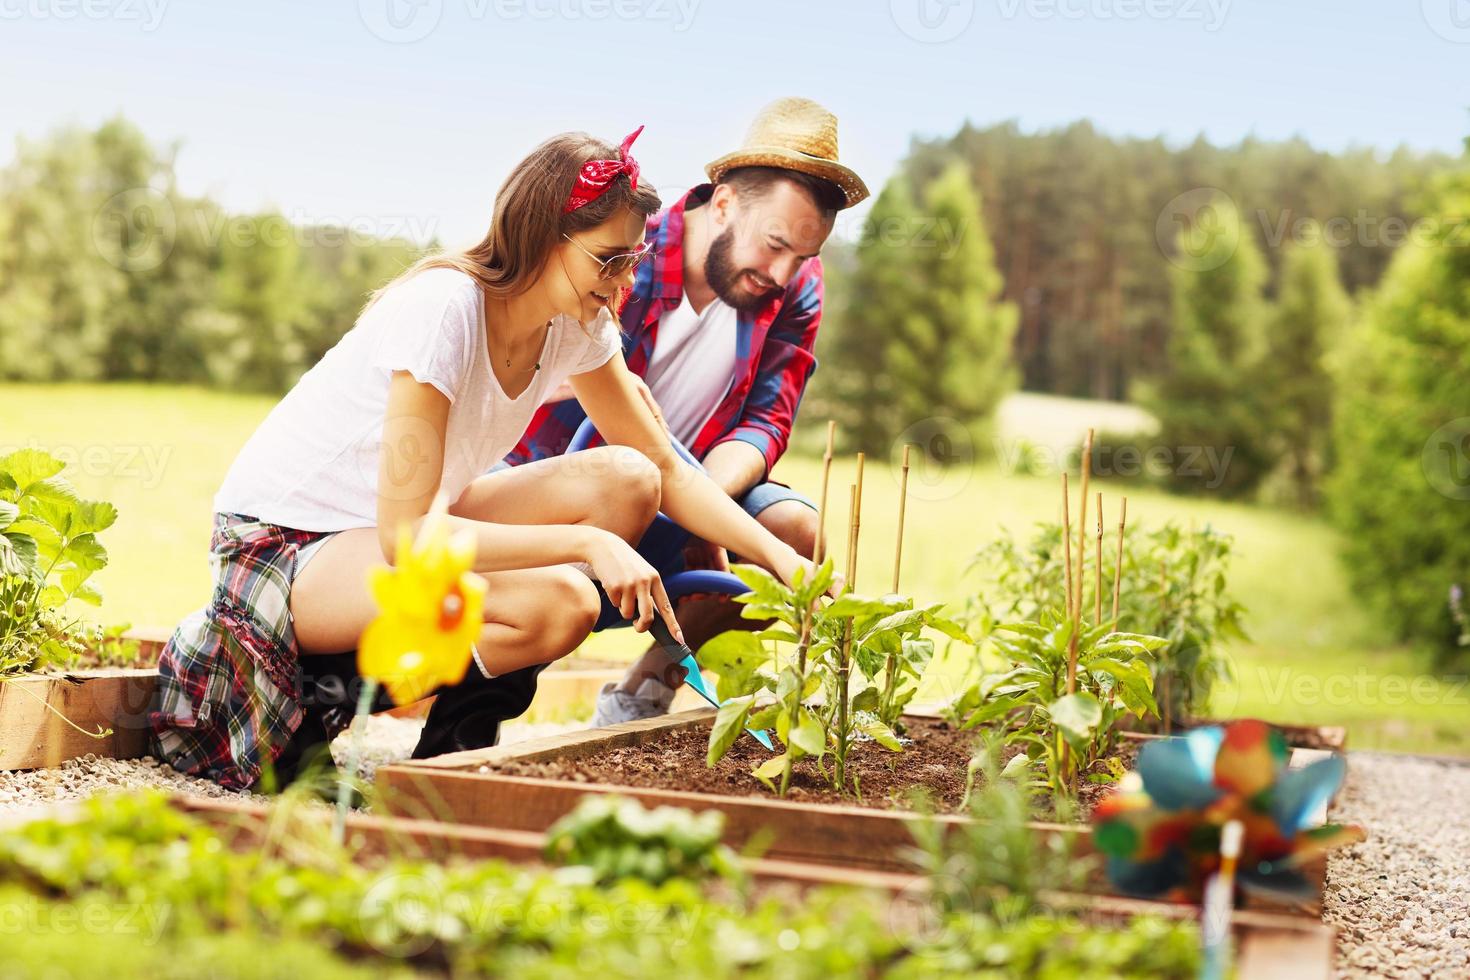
{"x": 616, "y": 265}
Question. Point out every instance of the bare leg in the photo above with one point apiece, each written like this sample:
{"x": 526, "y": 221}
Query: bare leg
{"x": 532, "y": 616}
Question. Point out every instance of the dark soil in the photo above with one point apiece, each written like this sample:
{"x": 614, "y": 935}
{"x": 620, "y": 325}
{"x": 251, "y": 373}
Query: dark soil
{"x": 932, "y": 763}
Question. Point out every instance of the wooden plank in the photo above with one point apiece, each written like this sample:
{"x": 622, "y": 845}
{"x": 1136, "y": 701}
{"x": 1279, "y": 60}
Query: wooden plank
{"x": 35, "y": 710}
{"x": 845, "y": 836}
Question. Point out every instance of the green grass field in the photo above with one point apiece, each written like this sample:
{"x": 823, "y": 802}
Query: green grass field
{"x": 160, "y": 452}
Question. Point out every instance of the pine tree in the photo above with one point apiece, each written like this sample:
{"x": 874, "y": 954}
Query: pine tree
{"x": 926, "y": 336}
{"x": 1401, "y": 484}
{"x": 1311, "y": 312}
{"x": 1210, "y": 401}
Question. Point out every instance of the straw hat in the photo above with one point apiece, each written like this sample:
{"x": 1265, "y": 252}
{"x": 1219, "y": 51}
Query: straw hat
{"x": 794, "y": 134}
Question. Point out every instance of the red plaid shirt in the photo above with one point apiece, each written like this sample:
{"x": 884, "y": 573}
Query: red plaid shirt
{"x": 773, "y": 352}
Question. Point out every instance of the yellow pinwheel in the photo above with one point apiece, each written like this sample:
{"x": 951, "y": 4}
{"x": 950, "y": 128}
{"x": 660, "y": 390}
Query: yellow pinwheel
{"x": 430, "y": 610}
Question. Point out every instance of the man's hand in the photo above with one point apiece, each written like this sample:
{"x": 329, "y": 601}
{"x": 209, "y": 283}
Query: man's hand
{"x": 699, "y": 554}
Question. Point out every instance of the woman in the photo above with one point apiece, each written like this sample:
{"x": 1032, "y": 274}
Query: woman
{"x": 430, "y": 389}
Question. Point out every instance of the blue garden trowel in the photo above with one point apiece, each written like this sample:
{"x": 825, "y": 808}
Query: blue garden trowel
{"x": 685, "y": 657}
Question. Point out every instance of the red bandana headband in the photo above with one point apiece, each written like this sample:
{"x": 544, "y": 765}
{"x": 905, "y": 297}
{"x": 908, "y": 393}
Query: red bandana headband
{"x": 596, "y": 176}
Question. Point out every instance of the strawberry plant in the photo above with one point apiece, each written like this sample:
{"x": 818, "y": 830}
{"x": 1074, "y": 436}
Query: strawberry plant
{"x": 796, "y": 676}
{"x": 48, "y": 551}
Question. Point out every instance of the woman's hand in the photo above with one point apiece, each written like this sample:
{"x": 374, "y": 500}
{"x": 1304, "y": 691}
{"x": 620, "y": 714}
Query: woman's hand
{"x": 630, "y": 582}
{"x": 786, "y": 561}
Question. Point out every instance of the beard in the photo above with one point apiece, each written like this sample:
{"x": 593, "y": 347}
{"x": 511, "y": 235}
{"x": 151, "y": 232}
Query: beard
{"x": 728, "y": 282}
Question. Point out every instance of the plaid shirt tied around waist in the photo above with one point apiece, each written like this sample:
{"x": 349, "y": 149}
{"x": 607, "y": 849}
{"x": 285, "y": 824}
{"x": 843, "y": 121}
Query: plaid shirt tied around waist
{"x": 227, "y": 680}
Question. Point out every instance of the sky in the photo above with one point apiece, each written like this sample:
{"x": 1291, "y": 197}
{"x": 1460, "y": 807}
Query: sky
{"x": 403, "y": 116}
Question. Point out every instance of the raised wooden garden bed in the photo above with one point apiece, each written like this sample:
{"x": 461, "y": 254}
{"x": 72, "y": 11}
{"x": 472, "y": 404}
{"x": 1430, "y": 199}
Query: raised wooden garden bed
{"x": 1268, "y": 945}
{"x": 93, "y": 699}
{"x": 472, "y": 788}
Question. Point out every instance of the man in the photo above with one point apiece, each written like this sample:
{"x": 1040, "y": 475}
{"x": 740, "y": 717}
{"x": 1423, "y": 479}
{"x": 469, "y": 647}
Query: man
{"x": 721, "y": 324}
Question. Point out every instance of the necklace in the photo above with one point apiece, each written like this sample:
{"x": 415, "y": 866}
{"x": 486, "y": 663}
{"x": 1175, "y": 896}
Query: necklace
{"x": 539, "y": 345}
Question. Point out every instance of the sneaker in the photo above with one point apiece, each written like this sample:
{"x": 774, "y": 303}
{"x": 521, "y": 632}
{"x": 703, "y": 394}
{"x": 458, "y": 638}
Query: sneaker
{"x": 615, "y": 706}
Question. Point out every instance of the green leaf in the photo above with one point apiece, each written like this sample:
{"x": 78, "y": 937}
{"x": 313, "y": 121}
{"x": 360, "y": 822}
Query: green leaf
{"x": 1016, "y": 766}
{"x": 95, "y": 515}
{"x": 852, "y": 605}
{"x": 734, "y": 655}
{"x": 767, "y": 771}
{"x": 766, "y": 586}
{"x": 1133, "y": 680}
{"x": 808, "y": 735}
{"x": 26, "y": 466}
{"x": 991, "y": 710}
{"x": 85, "y": 552}
{"x": 1077, "y": 715}
{"x": 8, "y": 513}
{"x": 866, "y": 700}
{"x": 881, "y": 734}
{"x": 87, "y": 594}
{"x": 59, "y": 514}
{"x": 729, "y": 723}
{"x": 763, "y": 718}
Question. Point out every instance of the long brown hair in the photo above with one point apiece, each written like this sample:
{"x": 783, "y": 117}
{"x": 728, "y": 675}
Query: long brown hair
{"x": 528, "y": 221}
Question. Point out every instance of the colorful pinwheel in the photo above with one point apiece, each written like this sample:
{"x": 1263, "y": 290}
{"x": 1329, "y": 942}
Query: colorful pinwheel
{"x": 1160, "y": 831}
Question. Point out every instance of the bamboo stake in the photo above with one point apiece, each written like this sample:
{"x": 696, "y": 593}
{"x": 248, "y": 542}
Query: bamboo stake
{"x": 1082, "y": 522}
{"x": 1098, "y": 592}
{"x": 1067, "y": 538}
{"x": 821, "y": 549}
{"x": 1118, "y": 568}
{"x": 890, "y": 667}
{"x": 1081, "y": 557}
{"x": 903, "y": 499}
{"x": 819, "y": 552}
{"x": 844, "y": 669}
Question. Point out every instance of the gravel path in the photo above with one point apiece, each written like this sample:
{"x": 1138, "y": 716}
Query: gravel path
{"x": 1401, "y": 899}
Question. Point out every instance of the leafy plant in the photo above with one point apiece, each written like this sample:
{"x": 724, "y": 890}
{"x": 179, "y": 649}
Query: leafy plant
{"x": 48, "y": 551}
{"x": 1068, "y": 734}
{"x": 1174, "y": 585}
{"x": 618, "y": 838}
{"x": 810, "y": 651}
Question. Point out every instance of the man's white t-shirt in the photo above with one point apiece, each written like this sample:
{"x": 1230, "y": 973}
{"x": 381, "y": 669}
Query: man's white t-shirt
{"x": 693, "y": 365}
{"x": 313, "y": 463}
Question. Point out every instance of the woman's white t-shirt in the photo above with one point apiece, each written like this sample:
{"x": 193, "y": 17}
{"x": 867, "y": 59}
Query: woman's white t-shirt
{"x": 313, "y": 463}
